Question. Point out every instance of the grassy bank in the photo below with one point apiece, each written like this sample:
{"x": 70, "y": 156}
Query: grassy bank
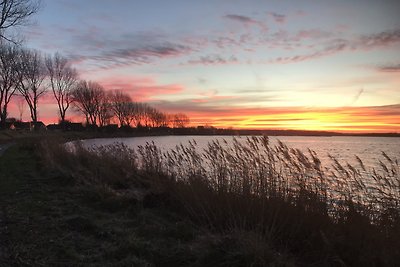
{"x": 244, "y": 205}
{"x": 49, "y": 219}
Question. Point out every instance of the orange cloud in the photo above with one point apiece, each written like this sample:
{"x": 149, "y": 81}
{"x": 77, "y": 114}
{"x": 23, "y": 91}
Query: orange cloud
{"x": 344, "y": 119}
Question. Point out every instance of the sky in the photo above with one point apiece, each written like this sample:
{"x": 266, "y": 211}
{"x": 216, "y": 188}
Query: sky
{"x": 255, "y": 64}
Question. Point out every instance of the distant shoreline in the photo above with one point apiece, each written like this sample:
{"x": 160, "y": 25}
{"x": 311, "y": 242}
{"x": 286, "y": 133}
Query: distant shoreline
{"x": 312, "y": 133}
{"x": 8, "y": 135}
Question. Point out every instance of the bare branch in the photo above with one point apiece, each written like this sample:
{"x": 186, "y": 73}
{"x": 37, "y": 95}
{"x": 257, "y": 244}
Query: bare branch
{"x": 88, "y": 97}
{"x": 31, "y": 74}
{"x": 63, "y": 79}
{"x": 15, "y": 13}
{"x": 8, "y": 78}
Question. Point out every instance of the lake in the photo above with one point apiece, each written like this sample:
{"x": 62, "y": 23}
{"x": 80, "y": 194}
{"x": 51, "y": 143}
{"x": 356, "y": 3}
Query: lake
{"x": 343, "y": 148}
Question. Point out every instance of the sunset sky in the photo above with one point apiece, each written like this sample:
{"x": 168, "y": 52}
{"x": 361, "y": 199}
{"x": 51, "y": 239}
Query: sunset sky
{"x": 315, "y": 65}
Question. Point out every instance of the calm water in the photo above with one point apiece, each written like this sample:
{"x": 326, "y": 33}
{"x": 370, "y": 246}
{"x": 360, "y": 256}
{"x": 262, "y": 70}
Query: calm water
{"x": 369, "y": 149}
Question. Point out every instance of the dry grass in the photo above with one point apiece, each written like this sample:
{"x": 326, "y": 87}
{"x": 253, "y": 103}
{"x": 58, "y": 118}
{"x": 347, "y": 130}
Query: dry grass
{"x": 338, "y": 215}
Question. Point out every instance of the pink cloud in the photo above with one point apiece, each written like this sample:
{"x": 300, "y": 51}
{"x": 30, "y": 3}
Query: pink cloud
{"x": 140, "y": 88}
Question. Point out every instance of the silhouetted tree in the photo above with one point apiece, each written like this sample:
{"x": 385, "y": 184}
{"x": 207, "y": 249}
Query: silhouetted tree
{"x": 169, "y": 119}
{"x": 87, "y": 98}
{"x": 15, "y": 13}
{"x": 104, "y": 112}
{"x": 139, "y": 114}
{"x": 143, "y": 114}
{"x": 158, "y": 119}
{"x": 180, "y": 120}
{"x": 31, "y": 74}
{"x": 148, "y": 114}
{"x": 63, "y": 79}
{"x": 122, "y": 106}
{"x": 8, "y": 78}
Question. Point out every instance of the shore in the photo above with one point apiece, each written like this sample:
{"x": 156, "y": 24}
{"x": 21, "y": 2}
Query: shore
{"x": 9, "y": 135}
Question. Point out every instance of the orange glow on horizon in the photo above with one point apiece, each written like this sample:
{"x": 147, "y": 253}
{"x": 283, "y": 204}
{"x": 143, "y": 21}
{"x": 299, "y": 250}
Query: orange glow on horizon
{"x": 353, "y": 119}
{"x": 376, "y": 119}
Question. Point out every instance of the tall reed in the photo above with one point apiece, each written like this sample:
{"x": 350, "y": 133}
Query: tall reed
{"x": 350, "y": 214}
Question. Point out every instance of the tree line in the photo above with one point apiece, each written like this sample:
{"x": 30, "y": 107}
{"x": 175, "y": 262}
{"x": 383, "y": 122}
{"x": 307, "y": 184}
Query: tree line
{"x": 100, "y": 107}
{"x": 29, "y": 74}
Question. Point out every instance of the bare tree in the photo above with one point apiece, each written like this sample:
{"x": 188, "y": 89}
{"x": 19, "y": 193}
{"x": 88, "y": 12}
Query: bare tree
{"x": 122, "y": 106}
{"x": 15, "y": 13}
{"x": 170, "y": 119}
{"x": 104, "y": 112}
{"x": 31, "y": 74}
{"x": 158, "y": 119}
{"x": 87, "y": 97}
{"x": 8, "y": 78}
{"x": 180, "y": 120}
{"x": 139, "y": 114}
{"x": 145, "y": 111}
{"x": 63, "y": 79}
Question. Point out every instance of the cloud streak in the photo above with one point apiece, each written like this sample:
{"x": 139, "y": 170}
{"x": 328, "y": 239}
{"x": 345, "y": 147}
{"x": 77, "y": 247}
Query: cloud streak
{"x": 357, "y": 96}
{"x": 113, "y": 50}
{"x": 379, "y": 39}
{"x": 145, "y": 54}
{"x": 214, "y": 60}
{"x": 141, "y": 55}
{"x": 334, "y": 46}
{"x": 103, "y": 50}
{"x": 389, "y": 68}
{"x": 247, "y": 21}
{"x": 241, "y": 19}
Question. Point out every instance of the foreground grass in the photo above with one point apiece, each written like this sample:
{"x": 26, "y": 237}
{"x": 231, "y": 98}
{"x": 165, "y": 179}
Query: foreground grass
{"x": 108, "y": 208}
{"x": 47, "y": 219}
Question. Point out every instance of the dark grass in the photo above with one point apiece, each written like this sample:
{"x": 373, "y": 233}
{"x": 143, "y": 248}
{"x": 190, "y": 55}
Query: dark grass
{"x": 46, "y": 220}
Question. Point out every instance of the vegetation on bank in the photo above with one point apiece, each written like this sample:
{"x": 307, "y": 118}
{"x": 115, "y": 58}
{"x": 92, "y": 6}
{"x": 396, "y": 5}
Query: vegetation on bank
{"x": 47, "y": 219}
{"x": 250, "y": 204}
